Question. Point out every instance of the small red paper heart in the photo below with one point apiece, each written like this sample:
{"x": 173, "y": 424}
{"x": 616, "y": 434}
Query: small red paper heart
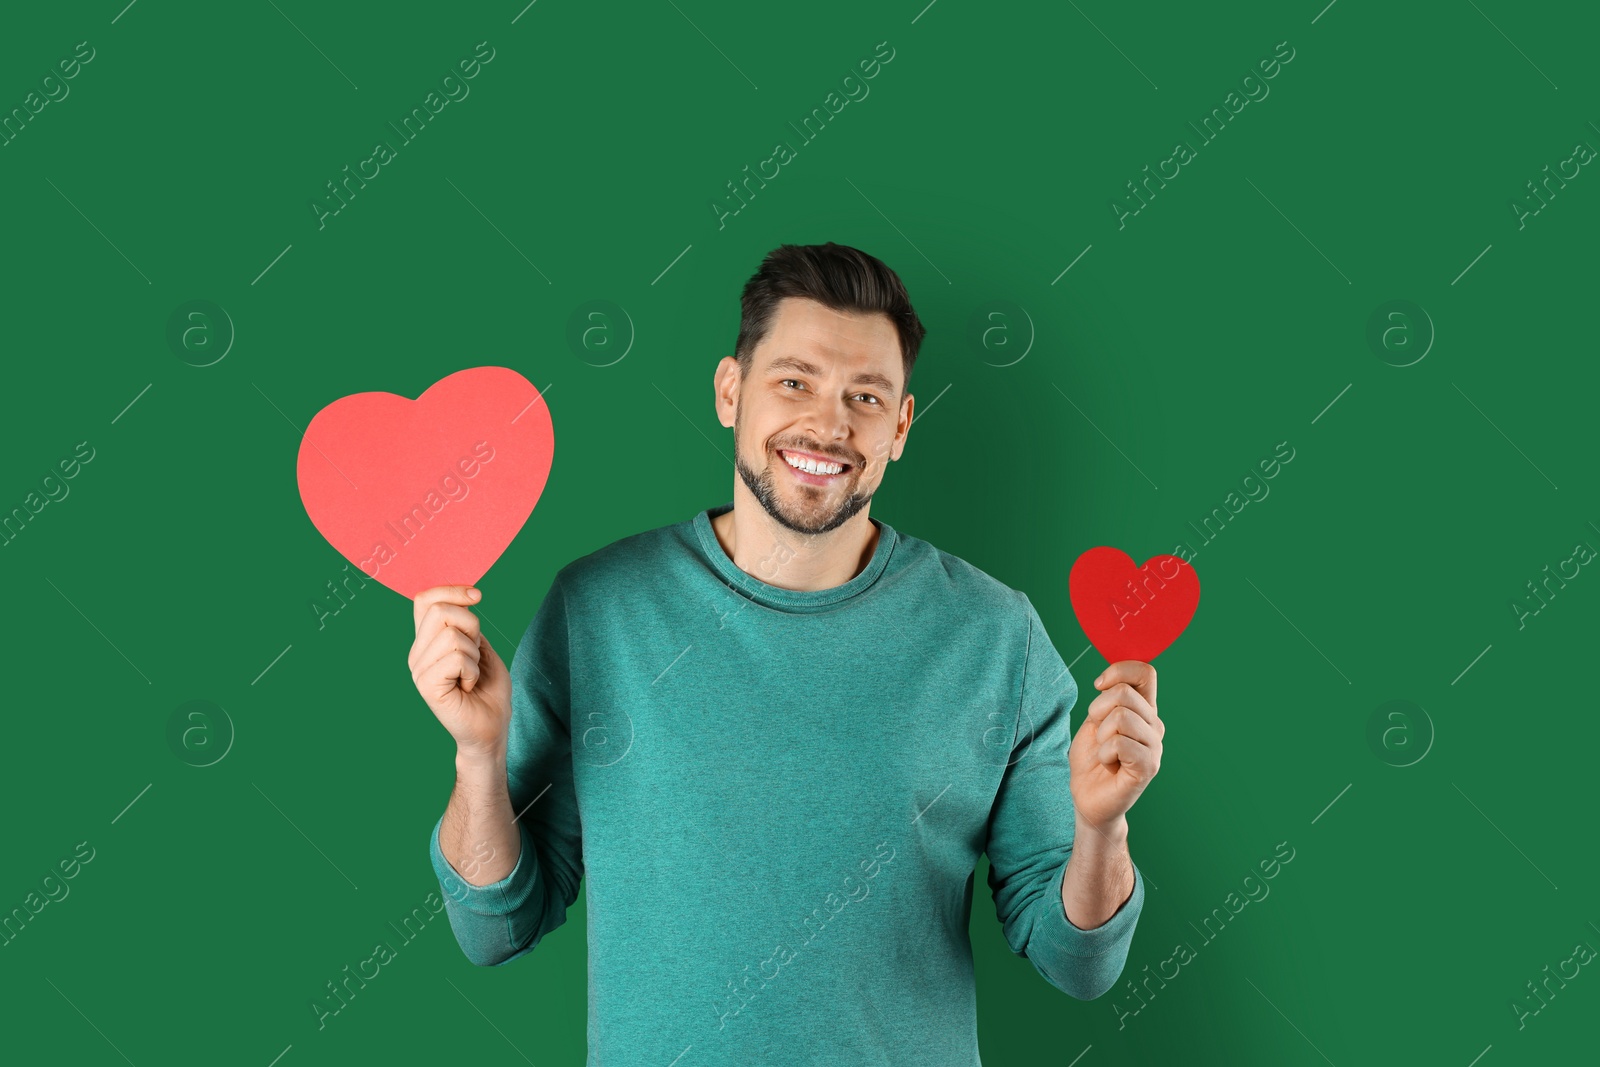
{"x": 1129, "y": 611}
{"x": 426, "y": 492}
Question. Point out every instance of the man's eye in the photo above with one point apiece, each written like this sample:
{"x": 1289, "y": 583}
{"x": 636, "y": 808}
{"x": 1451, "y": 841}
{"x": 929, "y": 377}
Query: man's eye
{"x": 869, "y": 396}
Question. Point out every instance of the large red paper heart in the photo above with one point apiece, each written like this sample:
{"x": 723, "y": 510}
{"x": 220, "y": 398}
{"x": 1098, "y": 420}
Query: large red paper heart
{"x": 426, "y": 492}
{"x": 1129, "y": 611}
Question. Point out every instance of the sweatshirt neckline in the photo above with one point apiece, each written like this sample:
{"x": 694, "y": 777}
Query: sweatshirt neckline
{"x": 773, "y": 596}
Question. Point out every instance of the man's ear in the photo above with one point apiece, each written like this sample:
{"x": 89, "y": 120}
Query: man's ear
{"x": 904, "y": 429}
{"x": 725, "y": 387}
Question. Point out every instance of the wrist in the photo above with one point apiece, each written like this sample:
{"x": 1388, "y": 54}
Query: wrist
{"x": 479, "y": 762}
{"x": 1113, "y": 833}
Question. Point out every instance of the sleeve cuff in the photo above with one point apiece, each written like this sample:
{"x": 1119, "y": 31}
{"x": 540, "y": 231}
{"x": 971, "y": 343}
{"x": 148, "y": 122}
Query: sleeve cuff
{"x": 1113, "y": 935}
{"x": 496, "y": 898}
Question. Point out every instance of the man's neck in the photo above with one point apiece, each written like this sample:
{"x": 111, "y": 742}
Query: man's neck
{"x": 765, "y": 549}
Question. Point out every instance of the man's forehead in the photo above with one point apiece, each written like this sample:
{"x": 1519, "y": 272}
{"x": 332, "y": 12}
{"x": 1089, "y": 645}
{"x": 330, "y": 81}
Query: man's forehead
{"x": 814, "y": 339}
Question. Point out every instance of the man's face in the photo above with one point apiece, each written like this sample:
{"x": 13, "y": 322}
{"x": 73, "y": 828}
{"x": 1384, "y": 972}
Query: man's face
{"x": 822, "y": 383}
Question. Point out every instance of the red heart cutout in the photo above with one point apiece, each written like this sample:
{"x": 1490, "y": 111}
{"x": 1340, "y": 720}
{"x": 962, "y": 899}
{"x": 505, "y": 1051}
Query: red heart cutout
{"x": 1128, "y": 611}
{"x": 426, "y": 492}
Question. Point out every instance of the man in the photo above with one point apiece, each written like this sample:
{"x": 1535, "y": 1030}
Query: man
{"x": 775, "y": 737}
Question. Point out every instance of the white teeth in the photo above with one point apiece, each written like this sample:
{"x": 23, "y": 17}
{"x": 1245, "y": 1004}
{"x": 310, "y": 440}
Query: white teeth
{"x": 811, "y": 466}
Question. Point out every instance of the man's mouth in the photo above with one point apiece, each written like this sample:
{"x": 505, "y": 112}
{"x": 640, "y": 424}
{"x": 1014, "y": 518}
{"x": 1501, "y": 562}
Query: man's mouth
{"x": 813, "y": 469}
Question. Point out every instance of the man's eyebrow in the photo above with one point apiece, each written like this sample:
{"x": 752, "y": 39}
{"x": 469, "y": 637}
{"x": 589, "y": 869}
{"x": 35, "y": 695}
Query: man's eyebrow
{"x": 795, "y": 363}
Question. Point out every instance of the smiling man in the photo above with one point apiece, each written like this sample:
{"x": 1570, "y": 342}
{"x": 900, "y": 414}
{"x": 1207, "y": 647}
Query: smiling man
{"x": 773, "y": 739}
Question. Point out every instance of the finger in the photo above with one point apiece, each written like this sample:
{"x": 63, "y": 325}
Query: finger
{"x": 1128, "y": 752}
{"x": 490, "y": 665}
{"x": 440, "y": 639}
{"x": 1136, "y": 673}
{"x": 454, "y": 667}
{"x": 440, "y": 616}
{"x": 449, "y": 643}
{"x": 1121, "y": 695}
{"x": 1128, "y": 724}
{"x": 465, "y": 668}
{"x": 443, "y": 594}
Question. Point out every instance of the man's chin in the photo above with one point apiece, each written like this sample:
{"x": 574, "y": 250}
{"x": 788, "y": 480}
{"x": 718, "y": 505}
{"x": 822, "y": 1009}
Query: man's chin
{"x": 816, "y": 515}
{"x": 794, "y": 507}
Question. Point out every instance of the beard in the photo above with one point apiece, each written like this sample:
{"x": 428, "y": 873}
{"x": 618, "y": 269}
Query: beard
{"x": 805, "y": 509}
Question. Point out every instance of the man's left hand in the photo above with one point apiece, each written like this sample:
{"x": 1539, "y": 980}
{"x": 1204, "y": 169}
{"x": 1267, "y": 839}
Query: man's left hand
{"x": 1117, "y": 750}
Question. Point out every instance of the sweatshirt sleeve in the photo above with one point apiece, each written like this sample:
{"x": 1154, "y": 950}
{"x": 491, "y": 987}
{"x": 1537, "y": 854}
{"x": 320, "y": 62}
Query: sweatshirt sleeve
{"x": 1031, "y": 831}
{"x": 498, "y": 922}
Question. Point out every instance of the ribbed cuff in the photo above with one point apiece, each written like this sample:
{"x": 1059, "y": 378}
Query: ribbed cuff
{"x": 503, "y": 897}
{"x": 1113, "y": 934}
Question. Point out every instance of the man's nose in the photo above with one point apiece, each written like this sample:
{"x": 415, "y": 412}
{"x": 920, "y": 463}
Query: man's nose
{"x": 828, "y": 421}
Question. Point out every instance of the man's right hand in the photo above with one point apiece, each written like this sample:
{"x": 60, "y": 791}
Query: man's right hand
{"x": 458, "y": 673}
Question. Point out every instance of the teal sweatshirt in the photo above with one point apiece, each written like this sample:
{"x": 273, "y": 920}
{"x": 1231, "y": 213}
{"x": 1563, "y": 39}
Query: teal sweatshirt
{"x": 778, "y": 799}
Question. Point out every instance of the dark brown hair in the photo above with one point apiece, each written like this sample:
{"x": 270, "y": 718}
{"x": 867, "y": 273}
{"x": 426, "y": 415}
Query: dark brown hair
{"x": 835, "y": 276}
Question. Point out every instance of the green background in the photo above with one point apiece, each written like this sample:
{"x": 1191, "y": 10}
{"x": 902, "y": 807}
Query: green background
{"x": 1229, "y": 315}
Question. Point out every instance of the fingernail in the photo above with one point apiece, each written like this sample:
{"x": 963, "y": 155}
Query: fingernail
{"x": 1098, "y": 680}
{"x": 473, "y": 594}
